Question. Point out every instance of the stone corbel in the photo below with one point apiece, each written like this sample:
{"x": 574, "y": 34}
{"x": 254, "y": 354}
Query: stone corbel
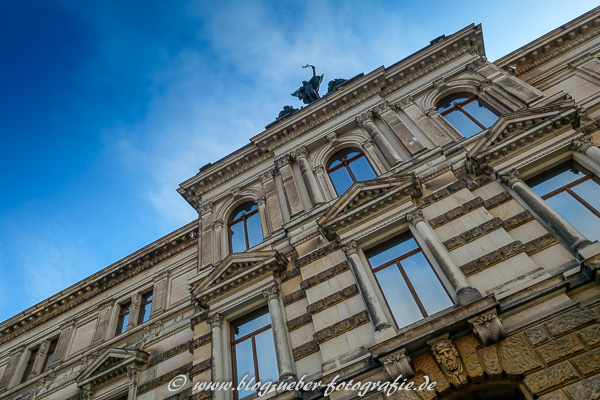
{"x": 236, "y": 192}
{"x": 488, "y": 328}
{"x": 447, "y": 357}
{"x": 398, "y": 364}
{"x": 439, "y": 84}
{"x": 206, "y": 208}
{"x": 333, "y": 139}
{"x": 475, "y": 65}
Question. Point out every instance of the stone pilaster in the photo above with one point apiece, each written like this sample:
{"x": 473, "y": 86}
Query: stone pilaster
{"x": 366, "y": 122}
{"x": 314, "y": 193}
{"x": 319, "y": 171}
{"x": 66, "y": 331}
{"x": 289, "y": 185}
{"x": 207, "y": 254}
{"x": 104, "y": 317}
{"x": 273, "y": 206}
{"x": 134, "y": 310}
{"x": 13, "y": 363}
{"x": 408, "y": 140}
{"x": 428, "y": 123}
{"x": 278, "y": 324}
{"x": 218, "y": 372}
{"x": 159, "y": 293}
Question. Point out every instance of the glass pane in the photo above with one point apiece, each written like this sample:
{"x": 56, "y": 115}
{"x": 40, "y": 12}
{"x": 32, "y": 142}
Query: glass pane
{"x": 244, "y": 364}
{"x": 556, "y": 179}
{"x": 255, "y": 235}
{"x": 391, "y": 250}
{"x": 267, "y": 360}
{"x": 341, "y": 180}
{"x": 462, "y": 123}
{"x": 579, "y": 216}
{"x": 426, "y": 283}
{"x": 448, "y": 102}
{"x": 244, "y": 208}
{"x": 251, "y": 323}
{"x": 398, "y": 296}
{"x": 238, "y": 240}
{"x": 481, "y": 113}
{"x": 336, "y": 159}
{"x": 590, "y": 192}
{"x": 362, "y": 170}
{"x": 144, "y": 313}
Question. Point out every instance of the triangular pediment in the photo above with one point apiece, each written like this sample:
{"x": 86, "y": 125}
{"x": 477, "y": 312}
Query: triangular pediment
{"x": 521, "y": 130}
{"x": 111, "y": 364}
{"x": 237, "y": 269}
{"x": 367, "y": 198}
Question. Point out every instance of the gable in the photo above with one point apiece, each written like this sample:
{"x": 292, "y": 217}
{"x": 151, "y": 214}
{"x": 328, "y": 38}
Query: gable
{"x": 111, "y": 364}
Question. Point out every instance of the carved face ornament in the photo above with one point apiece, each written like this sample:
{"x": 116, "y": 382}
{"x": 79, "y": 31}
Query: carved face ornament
{"x": 447, "y": 356}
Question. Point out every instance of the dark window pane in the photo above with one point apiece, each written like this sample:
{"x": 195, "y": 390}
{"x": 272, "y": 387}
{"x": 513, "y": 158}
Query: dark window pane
{"x": 266, "y": 357}
{"x": 481, "y": 113}
{"x": 391, "y": 250}
{"x": 144, "y": 313}
{"x": 462, "y": 123}
{"x": 50, "y": 355}
{"x": 426, "y": 284}
{"x": 29, "y": 366}
{"x": 361, "y": 169}
{"x": 238, "y": 239}
{"x": 448, "y": 101}
{"x": 398, "y": 296}
{"x": 590, "y": 192}
{"x": 555, "y": 179}
{"x": 341, "y": 180}
{"x": 251, "y": 323}
{"x": 244, "y": 364}
{"x": 254, "y": 230}
{"x": 577, "y": 215}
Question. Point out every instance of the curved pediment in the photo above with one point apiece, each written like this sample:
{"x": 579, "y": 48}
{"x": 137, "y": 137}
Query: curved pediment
{"x": 367, "y": 198}
{"x": 522, "y": 130}
{"x": 111, "y": 364}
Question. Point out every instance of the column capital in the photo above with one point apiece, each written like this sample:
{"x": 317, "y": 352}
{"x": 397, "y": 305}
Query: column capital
{"x": 267, "y": 175}
{"x": 381, "y": 108}
{"x": 299, "y": 153}
{"x": 582, "y": 144}
{"x": 365, "y": 118}
{"x": 415, "y": 216}
{"x": 509, "y": 178}
{"x": 398, "y": 364}
{"x": 319, "y": 169}
{"x": 132, "y": 374}
{"x": 261, "y": 201}
{"x": 217, "y": 224}
{"x": 207, "y": 207}
{"x": 350, "y": 248}
{"x": 214, "y": 321}
{"x": 431, "y": 112}
{"x": 271, "y": 292}
{"x": 367, "y": 143}
{"x": 403, "y": 103}
{"x": 283, "y": 161}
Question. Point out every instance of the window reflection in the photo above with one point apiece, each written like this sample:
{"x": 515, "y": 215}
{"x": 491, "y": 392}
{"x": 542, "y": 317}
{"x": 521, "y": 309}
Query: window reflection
{"x": 347, "y": 167}
{"x": 410, "y": 286}
{"x": 467, "y": 113}
{"x": 575, "y": 194}
{"x": 244, "y": 228}
{"x": 145, "y": 307}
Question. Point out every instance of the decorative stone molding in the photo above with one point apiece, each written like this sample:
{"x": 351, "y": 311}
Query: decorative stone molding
{"x": 488, "y": 328}
{"x": 484, "y": 85}
{"x": 350, "y": 248}
{"x": 398, "y": 364}
{"x": 283, "y": 161}
{"x": 333, "y": 139}
{"x": 215, "y": 320}
{"x": 431, "y": 112}
{"x": 261, "y": 201}
{"x": 365, "y": 117}
{"x": 381, "y": 108}
{"x": 403, "y": 103}
{"x": 319, "y": 169}
{"x": 582, "y": 144}
{"x": 132, "y": 374}
{"x": 217, "y": 224}
{"x": 271, "y": 293}
{"x": 367, "y": 143}
{"x": 447, "y": 357}
{"x": 207, "y": 207}
{"x": 511, "y": 177}
{"x": 415, "y": 216}
{"x": 299, "y": 153}
{"x": 236, "y": 192}
{"x": 267, "y": 175}
{"x": 476, "y": 65}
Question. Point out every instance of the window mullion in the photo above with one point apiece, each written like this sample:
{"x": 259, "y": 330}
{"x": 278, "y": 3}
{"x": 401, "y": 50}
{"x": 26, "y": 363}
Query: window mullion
{"x": 583, "y": 202}
{"x": 412, "y": 290}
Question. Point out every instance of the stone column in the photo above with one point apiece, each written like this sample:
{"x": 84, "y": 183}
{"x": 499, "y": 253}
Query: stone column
{"x": 132, "y": 374}
{"x": 13, "y": 363}
{"x": 585, "y": 146}
{"x": 289, "y": 186}
{"x": 365, "y": 120}
{"x": 159, "y": 293}
{"x": 278, "y": 324}
{"x": 464, "y": 292}
{"x": 559, "y": 225}
{"x": 366, "y": 288}
{"x": 273, "y": 207}
{"x": 323, "y": 180}
{"x": 301, "y": 157}
{"x": 369, "y": 149}
{"x": 262, "y": 214}
{"x": 218, "y": 372}
{"x": 207, "y": 255}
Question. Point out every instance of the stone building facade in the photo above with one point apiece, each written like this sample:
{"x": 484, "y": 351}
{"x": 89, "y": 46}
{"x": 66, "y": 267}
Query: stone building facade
{"x": 433, "y": 221}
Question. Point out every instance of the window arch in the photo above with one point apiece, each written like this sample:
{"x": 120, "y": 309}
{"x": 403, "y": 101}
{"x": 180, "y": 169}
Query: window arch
{"x": 347, "y": 167}
{"x": 467, "y": 113}
{"x": 244, "y": 227}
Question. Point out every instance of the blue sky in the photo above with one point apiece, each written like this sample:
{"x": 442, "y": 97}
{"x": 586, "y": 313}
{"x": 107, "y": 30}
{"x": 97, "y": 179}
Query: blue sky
{"x": 106, "y": 106}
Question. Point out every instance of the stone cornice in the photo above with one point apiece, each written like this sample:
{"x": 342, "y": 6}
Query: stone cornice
{"x": 100, "y": 282}
{"x": 553, "y": 44}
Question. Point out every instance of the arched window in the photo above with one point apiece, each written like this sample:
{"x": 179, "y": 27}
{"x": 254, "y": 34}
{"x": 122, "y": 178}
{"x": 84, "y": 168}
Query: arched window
{"x": 348, "y": 166}
{"x": 467, "y": 113}
{"x": 244, "y": 228}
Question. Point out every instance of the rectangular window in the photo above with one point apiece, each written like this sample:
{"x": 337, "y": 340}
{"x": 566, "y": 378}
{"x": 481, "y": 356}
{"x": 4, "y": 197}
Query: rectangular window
{"x": 29, "y": 367}
{"x": 575, "y": 194}
{"x": 253, "y": 350}
{"x": 50, "y": 355}
{"x": 409, "y": 284}
{"x": 123, "y": 317}
{"x": 145, "y": 307}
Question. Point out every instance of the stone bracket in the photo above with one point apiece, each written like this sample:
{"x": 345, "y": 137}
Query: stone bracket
{"x": 488, "y": 327}
{"x": 398, "y": 364}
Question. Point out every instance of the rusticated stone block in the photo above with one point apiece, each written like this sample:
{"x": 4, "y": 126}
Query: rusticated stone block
{"x": 473, "y": 204}
{"x": 425, "y": 201}
{"x": 333, "y": 299}
{"x": 299, "y": 321}
{"x": 471, "y": 267}
{"x": 517, "y": 356}
{"x": 497, "y": 200}
{"x": 570, "y": 321}
{"x": 517, "y": 220}
{"x": 325, "y": 275}
{"x": 588, "y": 362}
{"x": 560, "y": 348}
{"x": 590, "y": 335}
{"x": 551, "y": 377}
{"x": 201, "y": 367}
{"x": 454, "y": 243}
{"x": 438, "y": 221}
{"x": 359, "y": 319}
{"x": 467, "y": 347}
{"x": 315, "y": 255}
{"x": 471, "y": 234}
{"x": 440, "y": 194}
{"x": 340, "y": 327}
{"x": 309, "y": 282}
{"x": 323, "y": 335}
{"x": 316, "y": 307}
{"x": 484, "y": 180}
{"x": 490, "y": 259}
{"x": 454, "y": 213}
{"x": 305, "y": 349}
{"x": 456, "y": 186}
{"x": 585, "y": 390}
{"x": 557, "y": 395}
{"x": 537, "y": 335}
{"x": 343, "y": 326}
{"x": 491, "y": 225}
{"x": 294, "y": 296}
{"x": 292, "y": 273}
{"x": 350, "y": 291}
{"x": 491, "y": 361}
{"x": 512, "y": 249}
{"x": 341, "y": 267}
{"x": 539, "y": 244}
